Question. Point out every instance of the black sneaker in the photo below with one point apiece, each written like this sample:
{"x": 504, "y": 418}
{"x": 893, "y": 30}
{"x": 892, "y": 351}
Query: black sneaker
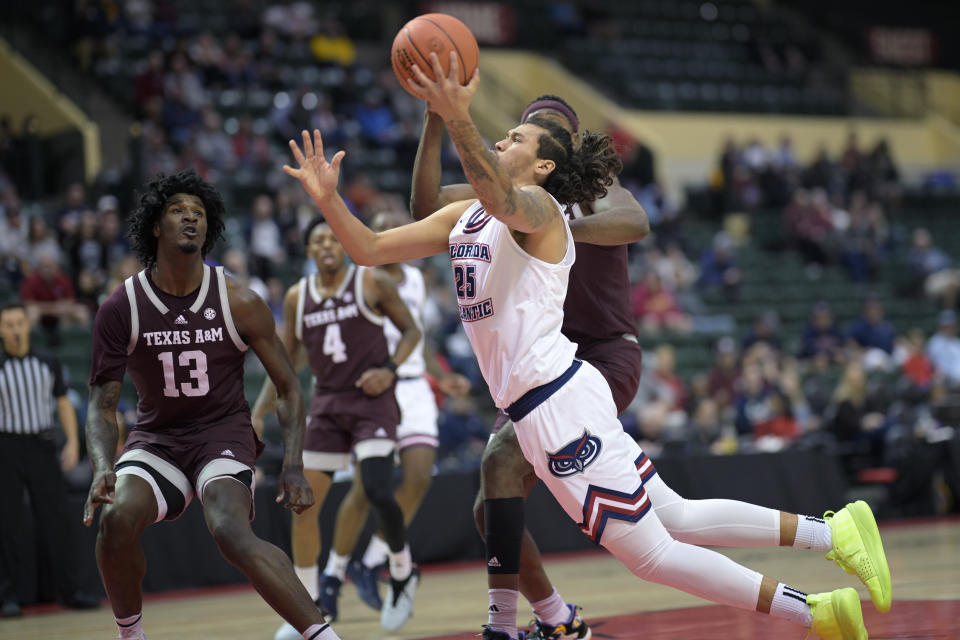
{"x": 367, "y": 583}
{"x": 329, "y": 594}
{"x": 573, "y": 629}
{"x": 490, "y": 633}
{"x": 10, "y": 609}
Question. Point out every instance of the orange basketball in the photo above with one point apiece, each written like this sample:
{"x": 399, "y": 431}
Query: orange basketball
{"x": 435, "y": 32}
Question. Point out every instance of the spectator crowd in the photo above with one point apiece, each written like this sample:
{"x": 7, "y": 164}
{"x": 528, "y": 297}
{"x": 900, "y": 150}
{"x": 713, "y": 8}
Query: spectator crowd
{"x": 225, "y": 103}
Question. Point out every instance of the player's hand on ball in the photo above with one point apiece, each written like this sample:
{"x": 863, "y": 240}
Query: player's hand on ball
{"x": 446, "y": 96}
{"x": 300, "y": 495}
{"x": 318, "y": 177}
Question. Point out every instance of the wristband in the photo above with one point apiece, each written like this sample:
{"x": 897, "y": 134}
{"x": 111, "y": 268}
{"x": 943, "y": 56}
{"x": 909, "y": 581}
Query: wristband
{"x": 390, "y": 364}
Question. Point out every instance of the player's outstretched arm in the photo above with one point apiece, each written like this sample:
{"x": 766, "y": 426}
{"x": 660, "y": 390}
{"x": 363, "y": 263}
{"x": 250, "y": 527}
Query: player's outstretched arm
{"x": 255, "y": 323}
{"x": 617, "y": 219}
{"x": 427, "y": 194}
{"x": 101, "y": 434}
{"x": 449, "y": 382}
{"x": 319, "y": 178}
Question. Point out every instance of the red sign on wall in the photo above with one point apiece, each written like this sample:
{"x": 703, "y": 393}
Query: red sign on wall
{"x": 490, "y": 22}
{"x": 904, "y": 46}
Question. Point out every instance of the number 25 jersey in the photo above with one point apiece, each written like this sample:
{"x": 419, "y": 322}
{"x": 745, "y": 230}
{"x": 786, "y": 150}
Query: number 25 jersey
{"x": 183, "y": 353}
{"x": 511, "y": 305}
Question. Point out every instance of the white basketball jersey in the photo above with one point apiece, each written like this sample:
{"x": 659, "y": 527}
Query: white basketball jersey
{"x": 413, "y": 292}
{"x": 511, "y": 305}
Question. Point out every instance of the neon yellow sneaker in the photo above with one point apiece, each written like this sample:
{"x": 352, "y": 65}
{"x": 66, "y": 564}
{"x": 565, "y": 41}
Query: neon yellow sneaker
{"x": 837, "y": 615}
{"x": 857, "y": 549}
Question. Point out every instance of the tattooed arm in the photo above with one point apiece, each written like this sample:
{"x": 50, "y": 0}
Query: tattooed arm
{"x": 102, "y": 433}
{"x": 526, "y": 209}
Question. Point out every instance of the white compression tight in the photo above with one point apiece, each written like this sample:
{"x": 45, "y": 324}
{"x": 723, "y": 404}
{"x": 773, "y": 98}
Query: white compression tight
{"x": 647, "y": 549}
{"x": 722, "y": 523}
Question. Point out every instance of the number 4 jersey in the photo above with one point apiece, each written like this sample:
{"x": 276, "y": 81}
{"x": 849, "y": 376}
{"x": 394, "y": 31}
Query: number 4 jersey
{"x": 183, "y": 353}
{"x": 341, "y": 335}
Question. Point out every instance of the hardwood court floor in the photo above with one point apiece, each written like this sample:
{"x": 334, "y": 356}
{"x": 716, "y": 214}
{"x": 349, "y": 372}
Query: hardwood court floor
{"x": 924, "y": 562}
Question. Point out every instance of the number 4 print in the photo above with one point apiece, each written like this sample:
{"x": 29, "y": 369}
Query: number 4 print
{"x": 333, "y": 344}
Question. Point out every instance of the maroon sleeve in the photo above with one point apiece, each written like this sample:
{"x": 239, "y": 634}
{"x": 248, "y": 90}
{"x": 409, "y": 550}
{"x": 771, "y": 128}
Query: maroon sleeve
{"x": 111, "y": 334}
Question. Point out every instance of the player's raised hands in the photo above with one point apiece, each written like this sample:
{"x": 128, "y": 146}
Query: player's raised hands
{"x": 292, "y": 484}
{"x": 318, "y": 177}
{"x": 445, "y": 96}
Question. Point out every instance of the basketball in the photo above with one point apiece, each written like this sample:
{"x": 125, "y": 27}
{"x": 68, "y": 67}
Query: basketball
{"x": 435, "y": 32}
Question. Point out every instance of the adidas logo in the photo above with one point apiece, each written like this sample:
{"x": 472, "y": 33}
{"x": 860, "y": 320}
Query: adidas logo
{"x": 493, "y": 562}
{"x": 227, "y": 452}
{"x": 381, "y": 433}
{"x": 494, "y": 609}
{"x": 180, "y": 320}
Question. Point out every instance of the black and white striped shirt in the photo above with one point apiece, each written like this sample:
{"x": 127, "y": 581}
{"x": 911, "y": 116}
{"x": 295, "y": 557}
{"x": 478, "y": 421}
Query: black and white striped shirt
{"x": 29, "y": 387}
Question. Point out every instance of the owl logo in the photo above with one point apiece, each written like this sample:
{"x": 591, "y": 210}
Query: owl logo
{"x": 209, "y": 313}
{"x": 575, "y": 456}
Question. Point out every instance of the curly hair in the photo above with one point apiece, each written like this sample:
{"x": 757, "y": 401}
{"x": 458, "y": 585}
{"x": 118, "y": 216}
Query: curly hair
{"x": 582, "y": 174}
{"x": 154, "y": 200}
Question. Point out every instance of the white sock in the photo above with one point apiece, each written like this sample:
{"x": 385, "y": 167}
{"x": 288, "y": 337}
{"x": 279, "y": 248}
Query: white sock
{"x": 813, "y": 533}
{"x": 552, "y": 610}
{"x": 336, "y": 566}
{"x": 376, "y": 553}
{"x": 129, "y": 627}
{"x": 401, "y": 564}
{"x": 320, "y": 632}
{"x": 790, "y": 604}
{"x": 308, "y": 576}
{"x": 502, "y": 613}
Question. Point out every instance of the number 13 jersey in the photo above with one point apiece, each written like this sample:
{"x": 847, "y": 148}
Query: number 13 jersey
{"x": 341, "y": 335}
{"x": 511, "y": 305}
{"x": 183, "y": 353}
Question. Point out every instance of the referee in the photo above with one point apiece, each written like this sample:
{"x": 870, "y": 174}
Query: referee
{"x": 31, "y": 386}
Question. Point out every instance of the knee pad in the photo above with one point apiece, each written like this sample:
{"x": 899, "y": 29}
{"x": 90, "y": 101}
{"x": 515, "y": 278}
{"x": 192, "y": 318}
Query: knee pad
{"x": 377, "y": 475}
{"x": 503, "y": 530}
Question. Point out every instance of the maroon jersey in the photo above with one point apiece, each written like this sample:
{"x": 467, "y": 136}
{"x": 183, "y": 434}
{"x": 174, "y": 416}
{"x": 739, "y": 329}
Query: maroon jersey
{"x": 598, "y": 295}
{"x": 183, "y": 353}
{"x": 341, "y": 335}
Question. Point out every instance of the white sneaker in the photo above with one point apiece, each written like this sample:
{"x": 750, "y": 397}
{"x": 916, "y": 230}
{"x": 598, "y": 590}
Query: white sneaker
{"x": 287, "y": 632}
{"x": 398, "y": 605}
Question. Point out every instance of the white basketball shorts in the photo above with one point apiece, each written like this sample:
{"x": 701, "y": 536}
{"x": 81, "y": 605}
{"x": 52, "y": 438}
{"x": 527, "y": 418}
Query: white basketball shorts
{"x": 418, "y": 414}
{"x": 579, "y": 449}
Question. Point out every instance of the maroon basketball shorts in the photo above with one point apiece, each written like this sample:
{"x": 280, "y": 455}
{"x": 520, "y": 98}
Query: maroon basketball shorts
{"x": 619, "y": 361}
{"x": 343, "y": 423}
{"x": 179, "y": 462}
